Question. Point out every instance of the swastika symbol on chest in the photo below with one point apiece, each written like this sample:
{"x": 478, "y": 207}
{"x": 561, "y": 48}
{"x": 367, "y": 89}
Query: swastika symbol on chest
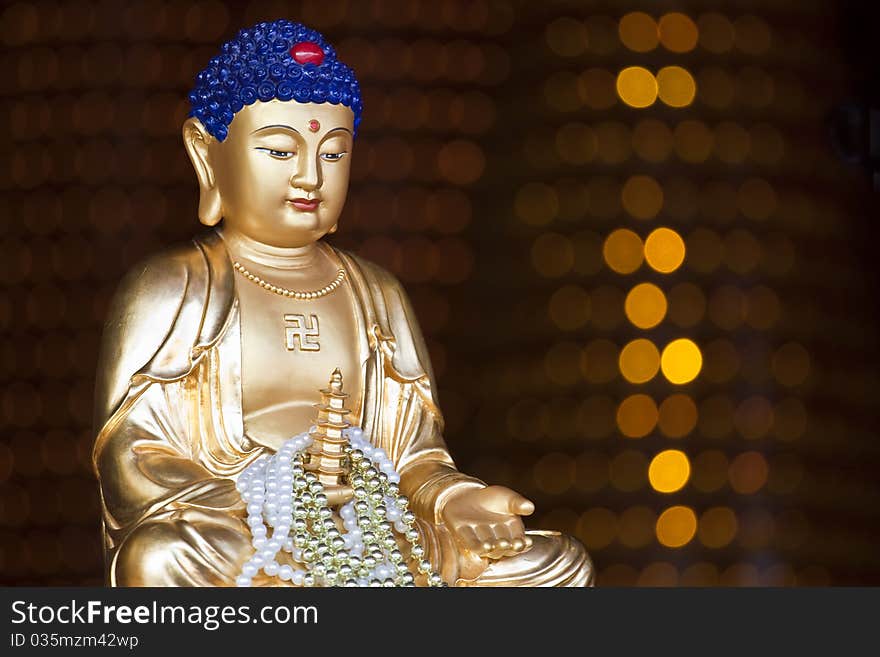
{"x": 302, "y": 333}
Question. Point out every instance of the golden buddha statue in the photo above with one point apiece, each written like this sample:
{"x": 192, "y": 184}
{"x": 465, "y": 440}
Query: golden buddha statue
{"x": 213, "y": 351}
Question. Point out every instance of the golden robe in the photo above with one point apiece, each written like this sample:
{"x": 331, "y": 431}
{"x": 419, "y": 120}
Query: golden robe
{"x": 171, "y": 439}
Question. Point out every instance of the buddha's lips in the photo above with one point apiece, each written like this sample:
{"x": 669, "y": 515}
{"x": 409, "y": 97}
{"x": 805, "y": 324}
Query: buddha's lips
{"x": 304, "y": 204}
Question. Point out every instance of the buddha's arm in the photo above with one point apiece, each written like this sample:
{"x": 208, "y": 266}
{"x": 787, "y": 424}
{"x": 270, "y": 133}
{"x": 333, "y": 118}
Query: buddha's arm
{"x": 428, "y": 473}
{"x": 144, "y": 469}
{"x": 168, "y": 519}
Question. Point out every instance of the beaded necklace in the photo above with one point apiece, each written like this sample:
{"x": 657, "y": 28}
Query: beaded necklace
{"x": 280, "y": 494}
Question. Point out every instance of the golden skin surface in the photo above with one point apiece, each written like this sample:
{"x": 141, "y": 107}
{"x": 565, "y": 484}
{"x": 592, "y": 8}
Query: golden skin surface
{"x": 269, "y": 158}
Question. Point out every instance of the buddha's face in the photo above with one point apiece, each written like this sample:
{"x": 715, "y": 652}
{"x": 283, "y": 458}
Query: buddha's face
{"x": 282, "y": 172}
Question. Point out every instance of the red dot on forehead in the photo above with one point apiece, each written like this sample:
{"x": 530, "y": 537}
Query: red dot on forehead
{"x": 314, "y": 125}
{"x": 307, "y": 52}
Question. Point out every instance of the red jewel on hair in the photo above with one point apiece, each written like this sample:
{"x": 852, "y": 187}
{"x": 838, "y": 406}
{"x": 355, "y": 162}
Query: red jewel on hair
{"x": 314, "y": 126}
{"x": 307, "y": 52}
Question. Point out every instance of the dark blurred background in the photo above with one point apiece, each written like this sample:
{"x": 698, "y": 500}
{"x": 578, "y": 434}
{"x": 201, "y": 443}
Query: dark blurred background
{"x": 640, "y": 237}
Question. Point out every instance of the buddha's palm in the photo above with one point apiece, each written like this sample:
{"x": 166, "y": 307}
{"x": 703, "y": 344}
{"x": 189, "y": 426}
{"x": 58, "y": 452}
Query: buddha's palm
{"x": 486, "y": 521}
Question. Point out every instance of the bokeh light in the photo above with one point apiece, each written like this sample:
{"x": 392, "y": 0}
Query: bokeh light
{"x": 701, "y": 573}
{"x": 567, "y": 37}
{"x": 658, "y": 574}
{"x": 461, "y": 162}
{"x": 740, "y": 574}
{"x": 669, "y": 471}
{"x": 597, "y": 528}
{"x": 791, "y": 364}
{"x": 636, "y": 526}
{"x": 638, "y": 32}
{"x": 637, "y": 416}
{"x": 664, "y": 250}
{"x": 676, "y": 526}
{"x": 637, "y": 86}
{"x": 676, "y": 86}
{"x": 552, "y": 255}
{"x": 677, "y": 415}
{"x": 693, "y": 141}
{"x": 754, "y": 417}
{"x": 639, "y": 361}
{"x": 642, "y": 197}
{"x": 598, "y": 361}
{"x": 752, "y": 35}
{"x": 715, "y": 32}
{"x": 678, "y": 32}
{"x": 681, "y": 361}
{"x": 717, "y": 527}
{"x": 623, "y": 251}
{"x": 748, "y": 473}
{"x": 645, "y": 305}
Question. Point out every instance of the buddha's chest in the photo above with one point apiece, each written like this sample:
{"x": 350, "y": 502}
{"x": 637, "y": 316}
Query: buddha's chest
{"x": 289, "y": 348}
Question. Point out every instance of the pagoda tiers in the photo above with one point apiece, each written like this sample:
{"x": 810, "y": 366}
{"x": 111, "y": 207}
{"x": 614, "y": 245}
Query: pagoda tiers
{"x": 325, "y": 456}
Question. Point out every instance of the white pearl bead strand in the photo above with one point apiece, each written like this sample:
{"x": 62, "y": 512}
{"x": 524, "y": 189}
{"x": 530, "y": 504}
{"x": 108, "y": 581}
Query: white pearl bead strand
{"x": 280, "y": 495}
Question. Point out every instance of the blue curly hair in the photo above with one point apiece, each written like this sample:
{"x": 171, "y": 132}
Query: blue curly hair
{"x": 282, "y": 60}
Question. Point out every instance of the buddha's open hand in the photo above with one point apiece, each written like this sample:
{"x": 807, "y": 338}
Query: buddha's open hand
{"x": 487, "y": 521}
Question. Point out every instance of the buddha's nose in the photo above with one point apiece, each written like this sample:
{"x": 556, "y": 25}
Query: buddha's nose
{"x": 307, "y": 175}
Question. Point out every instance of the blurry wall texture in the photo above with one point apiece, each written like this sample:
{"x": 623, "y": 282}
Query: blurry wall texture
{"x": 643, "y": 273}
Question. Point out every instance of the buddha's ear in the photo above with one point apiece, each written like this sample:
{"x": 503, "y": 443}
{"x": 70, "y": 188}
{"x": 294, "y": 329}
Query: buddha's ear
{"x": 196, "y": 141}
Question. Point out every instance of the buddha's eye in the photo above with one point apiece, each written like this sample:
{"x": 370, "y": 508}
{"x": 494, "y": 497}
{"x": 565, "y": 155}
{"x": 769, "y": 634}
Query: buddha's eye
{"x": 280, "y": 155}
{"x": 333, "y": 157}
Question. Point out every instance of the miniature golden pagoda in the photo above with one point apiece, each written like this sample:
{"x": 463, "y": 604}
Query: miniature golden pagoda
{"x": 326, "y": 456}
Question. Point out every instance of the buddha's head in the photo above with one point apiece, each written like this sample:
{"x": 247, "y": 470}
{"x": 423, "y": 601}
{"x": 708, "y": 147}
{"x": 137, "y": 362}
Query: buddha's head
{"x": 271, "y": 132}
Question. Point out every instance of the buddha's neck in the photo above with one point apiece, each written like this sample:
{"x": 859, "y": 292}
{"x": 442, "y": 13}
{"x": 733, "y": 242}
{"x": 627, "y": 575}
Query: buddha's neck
{"x": 242, "y": 247}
